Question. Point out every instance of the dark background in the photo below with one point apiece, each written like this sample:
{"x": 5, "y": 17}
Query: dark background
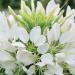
{"x": 15, "y": 4}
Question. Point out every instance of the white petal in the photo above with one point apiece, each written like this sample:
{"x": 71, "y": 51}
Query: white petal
{"x": 47, "y": 73}
{"x": 66, "y": 26}
{"x": 69, "y": 51}
{"x": 51, "y": 69}
{"x": 18, "y": 44}
{"x": 56, "y": 31}
{"x": 5, "y": 56}
{"x": 47, "y": 58}
{"x": 14, "y": 32}
{"x": 25, "y": 7}
{"x": 40, "y": 40}
{"x": 28, "y": 10}
{"x": 4, "y": 28}
{"x": 39, "y": 8}
{"x": 9, "y": 65}
{"x": 11, "y": 19}
{"x": 67, "y": 37}
{"x": 24, "y": 68}
{"x": 7, "y": 46}
{"x": 69, "y": 11}
{"x": 70, "y": 60}
{"x": 57, "y": 10}
{"x": 31, "y": 70}
{"x": 60, "y": 56}
{"x": 4, "y": 45}
{"x": 41, "y": 64}
{"x": 43, "y": 48}
{"x": 25, "y": 57}
{"x": 72, "y": 27}
{"x": 59, "y": 70}
{"x": 35, "y": 33}
{"x": 50, "y": 36}
{"x": 50, "y": 6}
{"x": 23, "y": 35}
{"x": 55, "y": 69}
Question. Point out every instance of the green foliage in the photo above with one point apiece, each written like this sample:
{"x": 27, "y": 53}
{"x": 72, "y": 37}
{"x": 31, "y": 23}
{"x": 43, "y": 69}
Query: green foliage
{"x": 13, "y": 3}
{"x": 2, "y": 71}
{"x": 16, "y": 3}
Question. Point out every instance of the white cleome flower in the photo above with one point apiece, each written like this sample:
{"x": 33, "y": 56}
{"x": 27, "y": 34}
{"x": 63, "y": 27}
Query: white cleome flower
{"x": 33, "y": 51}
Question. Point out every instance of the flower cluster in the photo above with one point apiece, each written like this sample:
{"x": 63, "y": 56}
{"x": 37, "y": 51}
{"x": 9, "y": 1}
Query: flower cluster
{"x": 38, "y": 42}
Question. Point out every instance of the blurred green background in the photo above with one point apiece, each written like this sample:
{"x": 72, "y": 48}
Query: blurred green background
{"x": 16, "y": 3}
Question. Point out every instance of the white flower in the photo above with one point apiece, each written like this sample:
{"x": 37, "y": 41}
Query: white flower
{"x": 25, "y": 57}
